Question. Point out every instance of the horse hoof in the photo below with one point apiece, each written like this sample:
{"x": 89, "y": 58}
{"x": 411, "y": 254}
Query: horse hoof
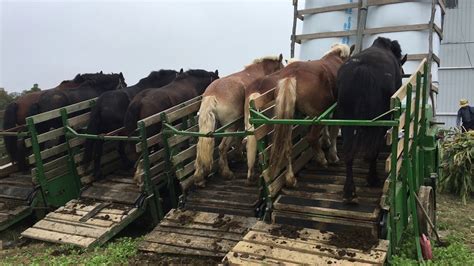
{"x": 291, "y": 184}
{"x": 200, "y": 184}
{"x": 350, "y": 200}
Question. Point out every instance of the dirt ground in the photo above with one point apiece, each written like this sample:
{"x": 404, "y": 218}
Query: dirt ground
{"x": 453, "y": 218}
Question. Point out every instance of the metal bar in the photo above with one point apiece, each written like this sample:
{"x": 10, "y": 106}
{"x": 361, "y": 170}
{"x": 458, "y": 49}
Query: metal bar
{"x": 71, "y": 131}
{"x": 361, "y": 24}
{"x": 328, "y": 122}
{"x": 326, "y": 113}
{"x": 293, "y": 31}
{"x": 393, "y": 180}
{"x": 169, "y": 165}
{"x": 14, "y": 134}
{"x": 213, "y": 134}
{"x": 37, "y": 153}
{"x": 70, "y": 160}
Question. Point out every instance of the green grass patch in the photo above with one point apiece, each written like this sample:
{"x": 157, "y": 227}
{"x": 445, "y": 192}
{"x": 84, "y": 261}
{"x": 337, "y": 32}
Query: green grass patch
{"x": 116, "y": 252}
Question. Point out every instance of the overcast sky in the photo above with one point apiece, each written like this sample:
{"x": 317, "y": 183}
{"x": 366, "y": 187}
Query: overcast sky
{"x": 46, "y": 42}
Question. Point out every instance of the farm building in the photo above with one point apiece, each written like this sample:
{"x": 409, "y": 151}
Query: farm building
{"x": 456, "y": 74}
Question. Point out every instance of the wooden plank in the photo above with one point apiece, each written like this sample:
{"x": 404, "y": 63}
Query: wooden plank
{"x": 401, "y": 93}
{"x": 387, "y": 2}
{"x": 185, "y": 171}
{"x": 363, "y": 199}
{"x": 56, "y": 112}
{"x": 264, "y": 99}
{"x": 157, "y": 156}
{"x": 158, "y": 168}
{"x": 263, "y": 131}
{"x": 236, "y": 258}
{"x": 157, "y": 117}
{"x": 322, "y": 35}
{"x": 103, "y": 215}
{"x": 151, "y": 141}
{"x": 52, "y": 134}
{"x": 176, "y": 139}
{"x": 57, "y": 149}
{"x": 169, "y": 249}
{"x": 160, "y": 229}
{"x": 306, "y": 246}
{"x": 57, "y": 237}
{"x": 318, "y": 10}
{"x": 182, "y": 112}
{"x": 87, "y": 207}
{"x": 5, "y": 160}
{"x": 72, "y": 218}
{"x": 79, "y": 121}
{"x": 126, "y": 197}
{"x": 184, "y": 155}
{"x": 76, "y": 230}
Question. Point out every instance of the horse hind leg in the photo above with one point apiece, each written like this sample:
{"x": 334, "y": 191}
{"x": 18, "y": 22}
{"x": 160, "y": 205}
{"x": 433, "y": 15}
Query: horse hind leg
{"x": 349, "y": 191}
{"x": 224, "y": 147}
{"x": 332, "y": 153}
{"x": 290, "y": 179}
{"x": 325, "y": 140}
{"x": 313, "y": 139}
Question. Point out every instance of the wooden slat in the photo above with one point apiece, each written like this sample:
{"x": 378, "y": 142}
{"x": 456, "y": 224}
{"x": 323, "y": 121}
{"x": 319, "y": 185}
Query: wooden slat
{"x": 185, "y": 171}
{"x": 61, "y": 217}
{"x": 322, "y": 35}
{"x": 79, "y": 121}
{"x": 56, "y": 149}
{"x": 184, "y": 155}
{"x": 76, "y": 230}
{"x": 318, "y": 10}
{"x": 157, "y": 117}
{"x": 151, "y": 141}
{"x": 402, "y": 91}
{"x": 57, "y": 237}
{"x": 52, "y": 134}
{"x": 56, "y": 112}
{"x": 264, "y": 99}
{"x": 174, "y": 140}
{"x": 118, "y": 196}
{"x": 157, "y": 156}
{"x": 184, "y": 111}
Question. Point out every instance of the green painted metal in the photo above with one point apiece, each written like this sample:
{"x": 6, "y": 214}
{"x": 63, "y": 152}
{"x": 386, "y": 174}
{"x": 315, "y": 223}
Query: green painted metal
{"x": 218, "y": 133}
{"x": 70, "y": 131}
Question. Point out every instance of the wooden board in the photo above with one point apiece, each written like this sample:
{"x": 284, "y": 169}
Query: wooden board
{"x": 184, "y": 232}
{"x": 67, "y": 224}
{"x": 276, "y": 244}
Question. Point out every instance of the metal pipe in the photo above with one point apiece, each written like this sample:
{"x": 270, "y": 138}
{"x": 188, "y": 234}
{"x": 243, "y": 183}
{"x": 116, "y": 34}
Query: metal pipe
{"x": 100, "y": 137}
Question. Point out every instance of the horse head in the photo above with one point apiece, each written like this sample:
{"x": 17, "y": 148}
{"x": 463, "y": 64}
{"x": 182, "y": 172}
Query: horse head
{"x": 270, "y": 64}
{"x": 338, "y": 49}
{"x": 202, "y": 77}
{"x": 158, "y": 78}
{"x": 394, "y": 47}
{"x": 108, "y": 82}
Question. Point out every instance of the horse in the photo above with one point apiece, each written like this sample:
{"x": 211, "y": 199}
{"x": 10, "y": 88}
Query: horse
{"x": 109, "y": 112}
{"x": 186, "y": 86}
{"x": 365, "y": 84}
{"x": 91, "y": 88}
{"x": 17, "y": 111}
{"x": 223, "y": 101}
{"x": 310, "y": 88}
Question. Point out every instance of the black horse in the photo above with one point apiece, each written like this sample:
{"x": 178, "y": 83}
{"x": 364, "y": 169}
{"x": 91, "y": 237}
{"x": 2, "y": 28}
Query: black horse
{"x": 109, "y": 112}
{"x": 365, "y": 84}
{"x": 17, "y": 111}
{"x": 91, "y": 88}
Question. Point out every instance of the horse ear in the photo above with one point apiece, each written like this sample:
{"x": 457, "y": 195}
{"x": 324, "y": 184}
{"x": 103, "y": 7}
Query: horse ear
{"x": 181, "y": 71}
{"x": 352, "y": 49}
{"x": 217, "y": 72}
{"x": 121, "y": 75}
{"x": 280, "y": 58}
{"x": 101, "y": 72}
{"x": 404, "y": 59}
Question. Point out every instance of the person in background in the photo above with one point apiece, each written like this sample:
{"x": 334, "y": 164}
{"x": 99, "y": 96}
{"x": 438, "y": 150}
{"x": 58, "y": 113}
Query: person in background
{"x": 466, "y": 114}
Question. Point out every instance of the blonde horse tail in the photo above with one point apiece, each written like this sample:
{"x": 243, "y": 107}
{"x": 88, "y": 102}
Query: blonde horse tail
{"x": 284, "y": 109}
{"x": 205, "y": 146}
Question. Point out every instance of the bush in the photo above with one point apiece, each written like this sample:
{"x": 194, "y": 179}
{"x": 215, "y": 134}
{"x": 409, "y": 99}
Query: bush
{"x": 457, "y": 150}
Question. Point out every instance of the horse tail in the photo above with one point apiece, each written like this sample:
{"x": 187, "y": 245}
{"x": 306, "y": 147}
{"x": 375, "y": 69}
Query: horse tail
{"x": 205, "y": 146}
{"x": 93, "y": 127}
{"x": 131, "y": 117}
{"x": 9, "y": 121}
{"x": 369, "y": 103}
{"x": 284, "y": 109}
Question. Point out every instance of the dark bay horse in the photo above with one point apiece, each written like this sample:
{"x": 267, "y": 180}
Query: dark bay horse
{"x": 17, "y": 111}
{"x": 310, "y": 88}
{"x": 223, "y": 102}
{"x": 365, "y": 84}
{"x": 109, "y": 112}
{"x": 186, "y": 86}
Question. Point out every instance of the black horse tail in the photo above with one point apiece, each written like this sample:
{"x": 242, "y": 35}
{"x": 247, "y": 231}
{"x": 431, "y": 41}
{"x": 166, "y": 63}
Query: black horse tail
{"x": 9, "y": 121}
{"x": 131, "y": 117}
{"x": 92, "y": 128}
{"x": 369, "y": 104}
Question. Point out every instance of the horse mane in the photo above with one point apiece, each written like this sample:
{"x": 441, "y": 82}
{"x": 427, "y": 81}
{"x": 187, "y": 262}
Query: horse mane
{"x": 261, "y": 59}
{"x": 292, "y": 60}
{"x": 196, "y": 73}
{"x": 343, "y": 50}
{"x": 390, "y": 45}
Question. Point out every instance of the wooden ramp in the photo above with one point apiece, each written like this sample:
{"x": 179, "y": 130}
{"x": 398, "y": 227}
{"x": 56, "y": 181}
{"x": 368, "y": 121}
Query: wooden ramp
{"x": 17, "y": 193}
{"x": 317, "y": 203}
{"x": 197, "y": 233}
{"x": 103, "y": 210}
{"x": 289, "y": 245}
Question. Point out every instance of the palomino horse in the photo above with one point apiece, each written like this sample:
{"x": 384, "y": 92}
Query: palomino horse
{"x": 366, "y": 82}
{"x": 17, "y": 111}
{"x": 223, "y": 101}
{"x": 109, "y": 112}
{"x": 309, "y": 87}
{"x": 186, "y": 86}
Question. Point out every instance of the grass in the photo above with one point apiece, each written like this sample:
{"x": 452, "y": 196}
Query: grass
{"x": 116, "y": 252}
{"x": 456, "y": 227}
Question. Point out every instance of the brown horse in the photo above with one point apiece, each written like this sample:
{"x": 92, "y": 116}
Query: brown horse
{"x": 17, "y": 111}
{"x": 223, "y": 101}
{"x": 309, "y": 87}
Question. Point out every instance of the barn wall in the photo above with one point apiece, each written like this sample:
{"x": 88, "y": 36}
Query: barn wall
{"x": 456, "y": 75}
